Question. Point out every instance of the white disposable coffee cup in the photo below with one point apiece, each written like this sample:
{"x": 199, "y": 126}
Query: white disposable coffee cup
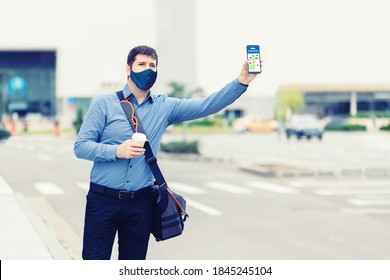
{"x": 140, "y": 138}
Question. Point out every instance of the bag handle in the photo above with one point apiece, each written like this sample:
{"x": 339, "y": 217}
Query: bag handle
{"x": 136, "y": 125}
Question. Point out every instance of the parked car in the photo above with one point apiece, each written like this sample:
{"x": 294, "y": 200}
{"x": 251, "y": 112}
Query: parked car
{"x": 255, "y": 124}
{"x": 307, "y": 126}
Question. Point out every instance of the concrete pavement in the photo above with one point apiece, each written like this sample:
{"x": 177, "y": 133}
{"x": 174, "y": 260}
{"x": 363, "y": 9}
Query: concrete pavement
{"x": 23, "y": 234}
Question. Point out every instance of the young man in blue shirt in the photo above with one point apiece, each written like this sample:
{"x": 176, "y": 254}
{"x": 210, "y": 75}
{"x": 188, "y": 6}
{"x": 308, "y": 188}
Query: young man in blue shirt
{"x": 121, "y": 190}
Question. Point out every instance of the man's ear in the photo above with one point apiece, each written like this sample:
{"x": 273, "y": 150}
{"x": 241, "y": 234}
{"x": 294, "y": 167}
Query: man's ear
{"x": 128, "y": 70}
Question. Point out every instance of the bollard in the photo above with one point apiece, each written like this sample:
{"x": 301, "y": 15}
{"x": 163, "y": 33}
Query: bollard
{"x": 57, "y": 129}
{"x": 12, "y": 126}
{"x": 25, "y": 126}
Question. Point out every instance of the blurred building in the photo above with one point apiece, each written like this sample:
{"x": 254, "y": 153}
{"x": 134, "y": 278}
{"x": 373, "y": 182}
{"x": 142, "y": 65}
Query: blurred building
{"x": 252, "y": 106}
{"x": 56, "y": 56}
{"x": 28, "y": 81}
{"x": 55, "y": 59}
{"x": 343, "y": 100}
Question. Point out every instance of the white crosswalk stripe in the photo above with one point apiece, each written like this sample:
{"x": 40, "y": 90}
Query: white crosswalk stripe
{"x": 48, "y": 188}
{"x": 47, "y": 148}
{"x": 352, "y": 192}
{"x": 271, "y": 187}
{"x": 364, "y": 202}
{"x": 31, "y": 148}
{"x": 4, "y": 187}
{"x": 361, "y": 198}
{"x": 360, "y": 193}
{"x": 228, "y": 188}
{"x": 180, "y": 187}
{"x": 45, "y": 157}
{"x": 204, "y": 208}
{"x": 83, "y": 185}
{"x": 338, "y": 184}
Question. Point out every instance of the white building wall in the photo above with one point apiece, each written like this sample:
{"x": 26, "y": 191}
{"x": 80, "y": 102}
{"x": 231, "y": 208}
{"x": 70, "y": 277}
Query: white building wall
{"x": 176, "y": 43}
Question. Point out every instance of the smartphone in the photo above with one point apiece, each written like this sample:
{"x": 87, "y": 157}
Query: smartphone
{"x": 253, "y": 57}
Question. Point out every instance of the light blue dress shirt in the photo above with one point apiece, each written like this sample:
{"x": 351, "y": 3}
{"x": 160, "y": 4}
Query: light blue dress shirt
{"x": 106, "y": 126}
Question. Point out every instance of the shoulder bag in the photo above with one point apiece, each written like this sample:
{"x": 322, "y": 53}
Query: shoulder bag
{"x": 170, "y": 209}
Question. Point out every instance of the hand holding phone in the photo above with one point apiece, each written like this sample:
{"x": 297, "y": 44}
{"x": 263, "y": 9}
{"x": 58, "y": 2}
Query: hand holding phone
{"x": 253, "y": 58}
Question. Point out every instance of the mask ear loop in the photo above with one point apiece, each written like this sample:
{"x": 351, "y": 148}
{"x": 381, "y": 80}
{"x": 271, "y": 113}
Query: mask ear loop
{"x": 134, "y": 119}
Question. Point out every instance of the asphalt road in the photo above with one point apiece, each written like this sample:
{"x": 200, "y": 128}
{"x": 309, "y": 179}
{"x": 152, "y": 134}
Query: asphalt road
{"x": 233, "y": 214}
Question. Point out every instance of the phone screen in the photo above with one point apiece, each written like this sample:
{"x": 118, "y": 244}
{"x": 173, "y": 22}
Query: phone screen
{"x": 253, "y": 57}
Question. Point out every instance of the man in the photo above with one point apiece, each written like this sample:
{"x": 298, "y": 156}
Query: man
{"x": 121, "y": 197}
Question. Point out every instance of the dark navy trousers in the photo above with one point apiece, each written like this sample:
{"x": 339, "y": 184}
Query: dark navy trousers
{"x": 109, "y": 211}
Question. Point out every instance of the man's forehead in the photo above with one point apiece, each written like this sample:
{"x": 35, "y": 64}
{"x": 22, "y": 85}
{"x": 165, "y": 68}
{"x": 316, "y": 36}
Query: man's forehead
{"x": 144, "y": 57}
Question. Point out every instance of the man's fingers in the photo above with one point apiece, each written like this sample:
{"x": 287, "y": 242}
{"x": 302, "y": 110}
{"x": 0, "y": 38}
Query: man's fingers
{"x": 129, "y": 149}
{"x": 245, "y": 67}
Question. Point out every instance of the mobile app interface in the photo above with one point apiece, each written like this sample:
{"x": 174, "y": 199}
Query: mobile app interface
{"x": 253, "y": 57}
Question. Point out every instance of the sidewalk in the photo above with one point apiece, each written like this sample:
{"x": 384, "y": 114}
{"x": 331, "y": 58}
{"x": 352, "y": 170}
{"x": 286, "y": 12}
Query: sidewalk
{"x": 23, "y": 235}
{"x": 360, "y": 155}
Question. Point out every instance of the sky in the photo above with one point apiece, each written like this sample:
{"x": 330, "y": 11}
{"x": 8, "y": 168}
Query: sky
{"x": 302, "y": 41}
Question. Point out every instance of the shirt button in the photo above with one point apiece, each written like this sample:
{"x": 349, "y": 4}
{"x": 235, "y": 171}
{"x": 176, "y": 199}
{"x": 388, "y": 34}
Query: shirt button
{"x": 127, "y": 181}
{"x": 131, "y": 166}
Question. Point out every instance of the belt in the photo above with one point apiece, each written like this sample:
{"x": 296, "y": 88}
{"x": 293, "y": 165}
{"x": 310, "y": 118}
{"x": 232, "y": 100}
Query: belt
{"x": 121, "y": 194}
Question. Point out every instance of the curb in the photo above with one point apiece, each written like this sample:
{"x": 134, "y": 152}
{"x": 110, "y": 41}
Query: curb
{"x": 55, "y": 248}
{"x": 192, "y": 157}
{"x": 281, "y": 171}
{"x": 274, "y": 170}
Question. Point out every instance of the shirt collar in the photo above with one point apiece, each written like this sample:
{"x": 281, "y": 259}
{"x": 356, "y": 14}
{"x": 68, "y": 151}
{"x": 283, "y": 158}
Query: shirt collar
{"x": 127, "y": 93}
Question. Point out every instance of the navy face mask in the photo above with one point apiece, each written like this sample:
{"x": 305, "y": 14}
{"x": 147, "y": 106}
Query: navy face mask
{"x": 144, "y": 80}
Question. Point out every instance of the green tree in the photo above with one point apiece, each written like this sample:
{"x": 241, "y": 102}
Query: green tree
{"x": 289, "y": 102}
{"x": 79, "y": 119}
{"x": 179, "y": 90}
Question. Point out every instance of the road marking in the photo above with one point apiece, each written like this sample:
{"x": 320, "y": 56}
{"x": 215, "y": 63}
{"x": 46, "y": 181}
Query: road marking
{"x": 19, "y": 146}
{"x": 4, "y": 187}
{"x": 84, "y": 186}
{"x": 30, "y": 148}
{"x": 48, "y": 188}
{"x": 338, "y": 184}
{"x": 64, "y": 149}
{"x": 203, "y": 208}
{"x": 266, "y": 186}
{"x": 180, "y": 187}
{"x": 47, "y": 148}
{"x": 227, "y": 188}
{"x": 352, "y": 192}
{"x": 376, "y": 211}
{"x": 296, "y": 184}
{"x": 363, "y": 202}
{"x": 45, "y": 157}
